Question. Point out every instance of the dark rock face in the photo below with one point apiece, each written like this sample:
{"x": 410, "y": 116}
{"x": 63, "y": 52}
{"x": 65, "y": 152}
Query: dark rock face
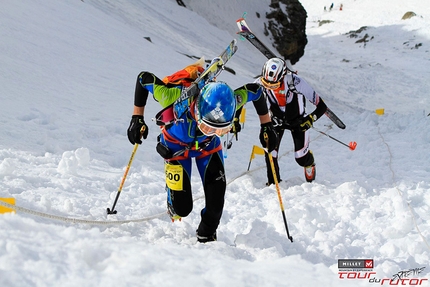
{"x": 288, "y": 29}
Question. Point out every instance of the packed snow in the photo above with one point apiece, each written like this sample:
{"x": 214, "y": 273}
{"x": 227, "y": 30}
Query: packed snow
{"x": 68, "y": 76}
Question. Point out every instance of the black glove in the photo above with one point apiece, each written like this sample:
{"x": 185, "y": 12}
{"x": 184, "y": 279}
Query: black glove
{"x": 137, "y": 129}
{"x": 236, "y": 126}
{"x": 268, "y": 136}
{"x": 304, "y": 123}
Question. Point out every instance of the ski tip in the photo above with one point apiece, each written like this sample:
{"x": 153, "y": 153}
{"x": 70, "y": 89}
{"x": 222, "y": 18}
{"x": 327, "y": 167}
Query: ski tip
{"x": 241, "y": 24}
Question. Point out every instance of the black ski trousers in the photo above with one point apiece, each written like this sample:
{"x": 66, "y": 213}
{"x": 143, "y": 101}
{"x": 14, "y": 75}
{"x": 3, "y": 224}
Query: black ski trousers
{"x": 299, "y": 140}
{"x": 211, "y": 170}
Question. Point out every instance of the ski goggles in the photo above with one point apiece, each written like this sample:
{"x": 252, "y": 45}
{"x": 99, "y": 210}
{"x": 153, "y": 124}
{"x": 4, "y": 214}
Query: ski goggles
{"x": 270, "y": 85}
{"x": 210, "y": 130}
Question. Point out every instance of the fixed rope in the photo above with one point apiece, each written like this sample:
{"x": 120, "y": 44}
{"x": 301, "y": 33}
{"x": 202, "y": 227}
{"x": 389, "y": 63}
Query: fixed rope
{"x": 118, "y": 222}
{"x": 76, "y": 220}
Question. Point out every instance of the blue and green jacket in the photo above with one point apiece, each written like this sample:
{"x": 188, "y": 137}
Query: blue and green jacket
{"x": 184, "y": 132}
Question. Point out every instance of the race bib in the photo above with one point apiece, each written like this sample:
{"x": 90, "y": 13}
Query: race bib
{"x": 174, "y": 176}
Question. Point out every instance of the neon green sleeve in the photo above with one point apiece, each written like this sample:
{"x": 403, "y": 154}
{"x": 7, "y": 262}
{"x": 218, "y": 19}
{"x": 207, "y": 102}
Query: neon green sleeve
{"x": 166, "y": 95}
{"x": 241, "y": 97}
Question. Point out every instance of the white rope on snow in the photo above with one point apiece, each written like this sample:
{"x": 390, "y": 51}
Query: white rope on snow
{"x": 118, "y": 222}
{"x": 75, "y": 220}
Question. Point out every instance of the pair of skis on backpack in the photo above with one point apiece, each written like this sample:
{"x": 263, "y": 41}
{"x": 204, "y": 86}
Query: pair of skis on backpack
{"x": 166, "y": 116}
{"x": 217, "y": 66}
{"x": 246, "y": 33}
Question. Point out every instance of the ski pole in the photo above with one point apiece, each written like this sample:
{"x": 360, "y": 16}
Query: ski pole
{"x": 112, "y": 210}
{"x": 229, "y": 142}
{"x": 235, "y": 132}
{"x": 351, "y": 145}
{"x": 275, "y": 179}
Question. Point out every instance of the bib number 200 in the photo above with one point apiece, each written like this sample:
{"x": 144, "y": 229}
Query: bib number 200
{"x": 174, "y": 175}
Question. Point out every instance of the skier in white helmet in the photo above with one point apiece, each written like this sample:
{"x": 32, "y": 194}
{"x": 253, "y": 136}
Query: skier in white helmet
{"x": 286, "y": 94}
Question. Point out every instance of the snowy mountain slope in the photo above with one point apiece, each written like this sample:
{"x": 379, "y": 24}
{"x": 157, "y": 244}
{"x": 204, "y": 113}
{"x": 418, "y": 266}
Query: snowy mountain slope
{"x": 69, "y": 71}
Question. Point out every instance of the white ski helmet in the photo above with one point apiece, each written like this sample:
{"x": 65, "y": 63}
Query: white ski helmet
{"x": 273, "y": 72}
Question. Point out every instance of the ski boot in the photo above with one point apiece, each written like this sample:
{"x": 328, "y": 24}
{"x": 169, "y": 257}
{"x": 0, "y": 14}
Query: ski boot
{"x": 310, "y": 173}
{"x": 269, "y": 183}
{"x": 204, "y": 239}
{"x": 171, "y": 212}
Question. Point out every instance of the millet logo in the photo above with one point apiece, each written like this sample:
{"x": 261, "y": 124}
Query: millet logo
{"x": 355, "y": 263}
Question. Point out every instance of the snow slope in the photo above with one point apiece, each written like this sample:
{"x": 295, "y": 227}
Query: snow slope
{"x": 68, "y": 75}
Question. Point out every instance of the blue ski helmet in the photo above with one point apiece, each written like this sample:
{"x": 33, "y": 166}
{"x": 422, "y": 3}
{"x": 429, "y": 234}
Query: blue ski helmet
{"x": 216, "y": 106}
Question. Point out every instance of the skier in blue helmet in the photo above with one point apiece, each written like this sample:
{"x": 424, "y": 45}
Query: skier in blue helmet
{"x": 191, "y": 129}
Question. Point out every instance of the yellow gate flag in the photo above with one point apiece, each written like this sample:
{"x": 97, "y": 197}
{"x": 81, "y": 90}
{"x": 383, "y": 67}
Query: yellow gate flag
{"x": 242, "y": 116}
{"x": 255, "y": 150}
{"x": 4, "y": 209}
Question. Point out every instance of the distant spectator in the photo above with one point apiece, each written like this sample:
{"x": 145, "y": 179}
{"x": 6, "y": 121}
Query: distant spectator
{"x": 331, "y": 6}
{"x": 325, "y": 9}
{"x": 341, "y": 7}
{"x": 180, "y": 3}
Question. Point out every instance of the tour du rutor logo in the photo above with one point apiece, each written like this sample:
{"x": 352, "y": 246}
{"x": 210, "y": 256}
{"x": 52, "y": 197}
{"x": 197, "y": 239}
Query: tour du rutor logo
{"x": 362, "y": 269}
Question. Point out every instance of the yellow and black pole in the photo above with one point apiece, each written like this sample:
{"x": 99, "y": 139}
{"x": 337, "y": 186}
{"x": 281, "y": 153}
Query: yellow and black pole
{"x": 112, "y": 210}
{"x": 278, "y": 190}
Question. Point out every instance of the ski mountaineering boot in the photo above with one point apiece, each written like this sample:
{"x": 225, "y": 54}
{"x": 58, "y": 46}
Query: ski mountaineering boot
{"x": 204, "y": 239}
{"x": 310, "y": 173}
{"x": 170, "y": 210}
